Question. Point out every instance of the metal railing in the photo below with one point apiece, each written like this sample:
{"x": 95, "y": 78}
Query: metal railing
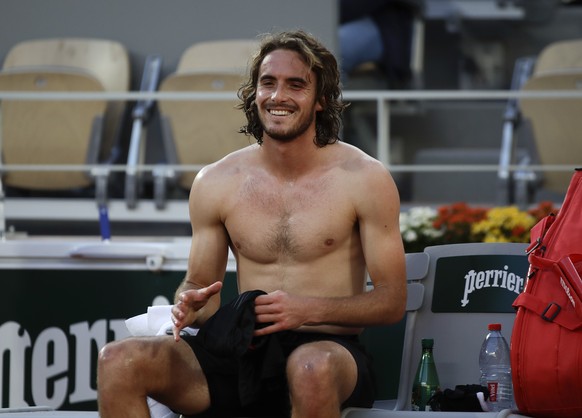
{"x": 383, "y": 102}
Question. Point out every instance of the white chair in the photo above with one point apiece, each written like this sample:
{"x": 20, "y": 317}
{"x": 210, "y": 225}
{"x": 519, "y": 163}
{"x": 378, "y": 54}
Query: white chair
{"x": 460, "y": 300}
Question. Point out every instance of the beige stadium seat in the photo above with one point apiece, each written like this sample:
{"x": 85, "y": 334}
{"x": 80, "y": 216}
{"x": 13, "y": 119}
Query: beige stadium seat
{"x": 201, "y": 132}
{"x": 47, "y": 132}
{"x": 556, "y": 123}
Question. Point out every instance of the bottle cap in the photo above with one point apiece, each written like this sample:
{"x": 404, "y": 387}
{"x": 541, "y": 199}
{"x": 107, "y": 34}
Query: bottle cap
{"x": 494, "y": 327}
{"x": 427, "y": 342}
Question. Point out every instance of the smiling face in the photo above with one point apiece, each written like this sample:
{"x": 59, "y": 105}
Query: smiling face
{"x": 286, "y": 96}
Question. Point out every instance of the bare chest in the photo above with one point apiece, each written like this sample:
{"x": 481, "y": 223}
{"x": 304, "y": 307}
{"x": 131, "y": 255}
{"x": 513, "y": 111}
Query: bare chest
{"x": 270, "y": 221}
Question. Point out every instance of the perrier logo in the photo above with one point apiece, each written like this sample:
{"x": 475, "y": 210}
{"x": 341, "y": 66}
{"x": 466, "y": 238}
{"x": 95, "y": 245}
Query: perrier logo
{"x": 504, "y": 279}
{"x": 478, "y": 283}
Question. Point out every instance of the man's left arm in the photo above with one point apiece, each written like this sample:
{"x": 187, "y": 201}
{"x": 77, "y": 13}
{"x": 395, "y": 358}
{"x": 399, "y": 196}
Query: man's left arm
{"x": 383, "y": 250}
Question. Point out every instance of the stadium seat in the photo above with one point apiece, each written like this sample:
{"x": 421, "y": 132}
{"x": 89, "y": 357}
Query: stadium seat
{"x": 62, "y": 132}
{"x": 556, "y": 122}
{"x": 197, "y": 132}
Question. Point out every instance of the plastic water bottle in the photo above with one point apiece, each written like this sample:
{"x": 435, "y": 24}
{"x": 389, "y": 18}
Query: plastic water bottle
{"x": 495, "y": 366}
{"x": 426, "y": 382}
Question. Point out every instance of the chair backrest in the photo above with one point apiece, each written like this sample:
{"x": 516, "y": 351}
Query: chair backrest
{"x": 467, "y": 287}
{"x": 49, "y": 132}
{"x": 107, "y": 60}
{"x": 228, "y": 56}
{"x": 62, "y": 64}
{"x": 556, "y": 123}
{"x": 202, "y": 132}
{"x": 561, "y": 56}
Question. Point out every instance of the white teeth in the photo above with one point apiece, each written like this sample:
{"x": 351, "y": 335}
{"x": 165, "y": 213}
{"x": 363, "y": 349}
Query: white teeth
{"x": 279, "y": 112}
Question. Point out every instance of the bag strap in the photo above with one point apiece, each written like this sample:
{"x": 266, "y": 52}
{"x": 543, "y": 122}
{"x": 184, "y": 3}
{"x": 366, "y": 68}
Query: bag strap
{"x": 551, "y": 312}
{"x": 540, "y": 262}
{"x": 567, "y": 266}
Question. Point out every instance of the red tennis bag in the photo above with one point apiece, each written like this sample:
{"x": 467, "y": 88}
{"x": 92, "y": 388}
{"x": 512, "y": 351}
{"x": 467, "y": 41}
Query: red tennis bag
{"x": 546, "y": 342}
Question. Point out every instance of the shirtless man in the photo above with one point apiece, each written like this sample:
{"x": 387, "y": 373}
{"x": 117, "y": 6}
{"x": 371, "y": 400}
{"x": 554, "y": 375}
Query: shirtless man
{"x": 306, "y": 216}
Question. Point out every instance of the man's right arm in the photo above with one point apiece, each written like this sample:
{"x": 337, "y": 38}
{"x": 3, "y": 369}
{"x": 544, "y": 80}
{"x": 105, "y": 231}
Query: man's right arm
{"x": 198, "y": 296}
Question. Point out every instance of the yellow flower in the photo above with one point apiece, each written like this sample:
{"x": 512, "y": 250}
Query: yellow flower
{"x": 504, "y": 224}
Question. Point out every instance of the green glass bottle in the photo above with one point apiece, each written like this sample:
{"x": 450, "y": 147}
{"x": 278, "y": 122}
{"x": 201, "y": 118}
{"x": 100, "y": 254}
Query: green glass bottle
{"x": 426, "y": 382}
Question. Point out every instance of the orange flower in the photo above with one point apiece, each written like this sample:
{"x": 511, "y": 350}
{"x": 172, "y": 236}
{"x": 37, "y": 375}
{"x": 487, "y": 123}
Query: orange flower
{"x": 455, "y": 220}
{"x": 543, "y": 209}
{"x": 518, "y": 231}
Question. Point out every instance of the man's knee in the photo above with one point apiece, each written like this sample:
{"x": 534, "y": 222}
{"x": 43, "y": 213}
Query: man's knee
{"x": 110, "y": 358}
{"x": 113, "y": 351}
{"x": 311, "y": 364}
{"x": 123, "y": 358}
{"x": 322, "y": 370}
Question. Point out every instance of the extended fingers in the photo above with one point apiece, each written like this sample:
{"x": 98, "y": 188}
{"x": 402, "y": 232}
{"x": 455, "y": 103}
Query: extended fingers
{"x": 177, "y": 317}
{"x": 200, "y": 295}
{"x": 179, "y": 311}
{"x": 213, "y": 289}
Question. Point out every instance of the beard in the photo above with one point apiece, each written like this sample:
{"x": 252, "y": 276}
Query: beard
{"x": 287, "y": 135}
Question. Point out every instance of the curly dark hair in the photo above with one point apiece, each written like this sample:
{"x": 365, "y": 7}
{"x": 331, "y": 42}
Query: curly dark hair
{"x": 321, "y": 61}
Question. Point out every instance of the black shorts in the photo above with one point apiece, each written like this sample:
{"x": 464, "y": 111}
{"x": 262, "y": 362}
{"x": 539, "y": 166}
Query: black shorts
{"x": 223, "y": 378}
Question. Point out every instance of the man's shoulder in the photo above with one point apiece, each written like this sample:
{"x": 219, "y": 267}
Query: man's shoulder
{"x": 230, "y": 164}
{"x": 354, "y": 159}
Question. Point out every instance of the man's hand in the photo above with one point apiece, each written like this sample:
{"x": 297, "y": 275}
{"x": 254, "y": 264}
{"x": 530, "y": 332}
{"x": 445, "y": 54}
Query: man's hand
{"x": 281, "y": 309}
{"x": 184, "y": 312}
